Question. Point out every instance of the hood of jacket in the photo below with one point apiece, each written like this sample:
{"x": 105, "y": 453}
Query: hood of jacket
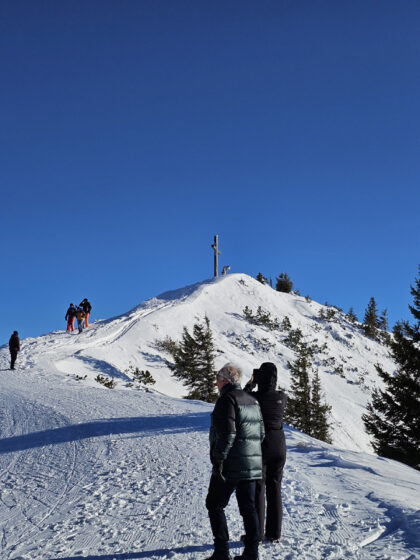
{"x": 266, "y": 377}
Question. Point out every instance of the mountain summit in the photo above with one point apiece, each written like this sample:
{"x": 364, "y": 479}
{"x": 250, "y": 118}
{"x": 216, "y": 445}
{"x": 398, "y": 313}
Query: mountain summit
{"x": 344, "y": 356}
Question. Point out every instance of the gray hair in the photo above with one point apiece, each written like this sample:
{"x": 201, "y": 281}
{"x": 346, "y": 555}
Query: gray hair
{"x": 231, "y": 373}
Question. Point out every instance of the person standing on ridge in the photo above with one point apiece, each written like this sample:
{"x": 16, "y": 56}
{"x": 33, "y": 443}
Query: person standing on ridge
{"x": 80, "y": 314}
{"x": 87, "y": 308}
{"x": 70, "y": 316}
{"x": 272, "y": 403}
{"x": 236, "y": 434}
{"x": 14, "y": 347}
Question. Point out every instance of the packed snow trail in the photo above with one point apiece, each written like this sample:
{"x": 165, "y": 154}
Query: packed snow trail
{"x": 88, "y": 472}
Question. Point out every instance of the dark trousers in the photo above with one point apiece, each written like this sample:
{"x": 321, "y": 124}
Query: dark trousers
{"x": 270, "y": 487}
{"x": 13, "y": 356}
{"x": 218, "y": 498}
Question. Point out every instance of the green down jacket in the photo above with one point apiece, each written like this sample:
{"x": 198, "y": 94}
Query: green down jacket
{"x": 236, "y": 434}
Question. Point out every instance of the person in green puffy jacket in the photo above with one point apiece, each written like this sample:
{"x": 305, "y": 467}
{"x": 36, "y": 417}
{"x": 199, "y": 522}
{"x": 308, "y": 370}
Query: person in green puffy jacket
{"x": 236, "y": 435}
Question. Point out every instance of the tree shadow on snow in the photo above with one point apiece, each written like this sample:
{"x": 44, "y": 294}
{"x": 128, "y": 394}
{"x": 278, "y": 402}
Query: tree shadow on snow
{"x": 164, "y": 552}
{"x": 142, "y": 426}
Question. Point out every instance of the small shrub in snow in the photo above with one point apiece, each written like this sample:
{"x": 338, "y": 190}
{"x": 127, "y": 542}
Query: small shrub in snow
{"x": 351, "y": 316}
{"x": 142, "y": 377}
{"x": 286, "y": 325}
{"x": 283, "y": 283}
{"x": 340, "y": 371}
{"x": 106, "y": 381}
{"x": 262, "y": 278}
{"x": 294, "y": 339}
{"x": 328, "y": 315}
{"x": 80, "y": 377}
{"x": 261, "y": 318}
{"x": 167, "y": 345}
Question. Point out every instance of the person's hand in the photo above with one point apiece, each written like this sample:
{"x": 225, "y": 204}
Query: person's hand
{"x": 218, "y": 470}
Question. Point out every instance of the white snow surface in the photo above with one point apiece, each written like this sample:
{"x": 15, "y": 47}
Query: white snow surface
{"x": 89, "y": 472}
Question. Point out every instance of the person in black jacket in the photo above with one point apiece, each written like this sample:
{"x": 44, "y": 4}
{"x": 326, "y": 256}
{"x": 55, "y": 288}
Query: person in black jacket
{"x": 236, "y": 433}
{"x": 272, "y": 403}
{"x": 14, "y": 347}
{"x": 70, "y": 317}
{"x": 87, "y": 308}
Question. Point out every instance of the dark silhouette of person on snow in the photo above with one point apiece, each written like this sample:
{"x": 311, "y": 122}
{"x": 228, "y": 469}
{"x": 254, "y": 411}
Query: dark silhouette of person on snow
{"x": 236, "y": 433}
{"x": 70, "y": 317}
{"x": 272, "y": 404}
{"x": 14, "y": 348}
{"x": 87, "y": 308}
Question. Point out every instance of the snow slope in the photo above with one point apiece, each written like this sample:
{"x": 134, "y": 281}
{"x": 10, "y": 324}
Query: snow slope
{"x": 88, "y": 472}
{"x": 109, "y": 347}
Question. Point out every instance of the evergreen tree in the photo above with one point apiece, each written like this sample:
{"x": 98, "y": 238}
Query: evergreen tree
{"x": 193, "y": 362}
{"x": 305, "y": 409}
{"x": 298, "y": 410}
{"x": 319, "y": 411}
{"x": 383, "y": 321}
{"x": 384, "y": 327}
{"x": 371, "y": 322}
{"x": 393, "y": 417}
{"x": 262, "y": 278}
{"x": 351, "y": 316}
{"x": 284, "y": 284}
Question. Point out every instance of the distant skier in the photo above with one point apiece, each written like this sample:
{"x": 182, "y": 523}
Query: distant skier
{"x": 14, "y": 347}
{"x": 87, "y": 308}
{"x": 236, "y": 433}
{"x": 70, "y": 317}
{"x": 80, "y": 314}
{"x": 272, "y": 403}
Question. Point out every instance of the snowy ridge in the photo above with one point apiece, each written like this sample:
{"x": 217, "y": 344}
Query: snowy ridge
{"x": 88, "y": 472}
{"x": 109, "y": 346}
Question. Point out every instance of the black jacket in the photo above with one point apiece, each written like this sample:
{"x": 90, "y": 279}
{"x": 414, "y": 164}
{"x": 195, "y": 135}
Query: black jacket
{"x": 86, "y": 306}
{"x": 236, "y": 433}
{"x": 14, "y": 343}
{"x": 71, "y": 312}
{"x": 272, "y": 404}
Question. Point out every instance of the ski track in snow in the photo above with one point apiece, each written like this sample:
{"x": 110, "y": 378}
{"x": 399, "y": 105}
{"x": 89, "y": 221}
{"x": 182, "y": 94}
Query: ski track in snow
{"x": 86, "y": 472}
{"x": 100, "y": 474}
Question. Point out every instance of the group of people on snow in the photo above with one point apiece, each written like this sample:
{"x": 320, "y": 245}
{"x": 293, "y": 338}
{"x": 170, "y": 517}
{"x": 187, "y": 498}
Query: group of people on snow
{"x": 248, "y": 453}
{"x": 81, "y": 313}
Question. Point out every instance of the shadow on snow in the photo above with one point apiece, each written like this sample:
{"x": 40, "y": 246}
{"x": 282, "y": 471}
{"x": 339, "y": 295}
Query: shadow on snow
{"x": 143, "y": 426}
{"x": 146, "y": 554}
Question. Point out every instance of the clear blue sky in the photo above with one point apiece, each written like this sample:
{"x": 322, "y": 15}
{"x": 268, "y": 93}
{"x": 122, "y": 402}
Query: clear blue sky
{"x": 133, "y": 131}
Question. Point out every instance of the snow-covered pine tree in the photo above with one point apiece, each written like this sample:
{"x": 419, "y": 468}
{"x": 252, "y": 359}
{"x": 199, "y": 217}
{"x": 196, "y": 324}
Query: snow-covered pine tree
{"x": 305, "y": 410}
{"x": 320, "y": 411}
{"x": 283, "y": 283}
{"x": 351, "y": 316}
{"x": 193, "y": 362}
{"x": 298, "y": 410}
{"x": 262, "y": 278}
{"x": 371, "y": 321}
{"x": 393, "y": 417}
{"x": 384, "y": 327}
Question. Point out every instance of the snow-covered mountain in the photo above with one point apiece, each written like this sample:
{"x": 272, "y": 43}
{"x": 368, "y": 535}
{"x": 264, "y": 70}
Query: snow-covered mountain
{"x": 345, "y": 357}
{"x": 98, "y": 474}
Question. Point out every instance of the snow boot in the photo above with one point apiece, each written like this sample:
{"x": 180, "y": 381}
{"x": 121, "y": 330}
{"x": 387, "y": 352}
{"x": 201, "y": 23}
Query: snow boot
{"x": 219, "y": 556}
{"x": 242, "y": 538}
{"x": 245, "y": 556}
